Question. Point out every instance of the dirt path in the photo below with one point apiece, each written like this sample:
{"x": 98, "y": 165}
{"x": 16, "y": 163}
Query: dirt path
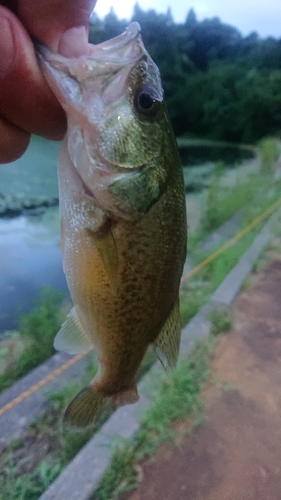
{"x": 236, "y": 453}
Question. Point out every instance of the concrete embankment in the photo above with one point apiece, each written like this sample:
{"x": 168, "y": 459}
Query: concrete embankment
{"x": 82, "y": 475}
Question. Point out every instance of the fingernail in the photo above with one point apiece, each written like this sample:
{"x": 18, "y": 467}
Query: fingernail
{"x": 6, "y": 46}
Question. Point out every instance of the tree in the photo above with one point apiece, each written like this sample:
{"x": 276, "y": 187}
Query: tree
{"x": 217, "y": 83}
{"x": 191, "y": 20}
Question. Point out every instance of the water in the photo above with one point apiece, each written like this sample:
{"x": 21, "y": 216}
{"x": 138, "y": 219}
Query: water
{"x": 30, "y": 258}
{"x": 29, "y": 245}
{"x": 33, "y": 175}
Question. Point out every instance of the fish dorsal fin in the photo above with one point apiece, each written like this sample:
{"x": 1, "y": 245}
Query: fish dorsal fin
{"x": 106, "y": 246}
{"x": 71, "y": 338}
{"x": 167, "y": 343}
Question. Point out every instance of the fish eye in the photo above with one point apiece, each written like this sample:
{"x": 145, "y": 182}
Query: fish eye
{"x": 146, "y": 100}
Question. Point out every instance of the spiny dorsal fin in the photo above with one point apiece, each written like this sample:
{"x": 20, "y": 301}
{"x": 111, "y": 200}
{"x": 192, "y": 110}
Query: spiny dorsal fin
{"x": 167, "y": 343}
{"x": 105, "y": 243}
{"x": 71, "y": 338}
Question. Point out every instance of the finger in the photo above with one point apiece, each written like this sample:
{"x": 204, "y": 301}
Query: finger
{"x": 13, "y": 142}
{"x": 25, "y": 98}
{"x": 49, "y": 20}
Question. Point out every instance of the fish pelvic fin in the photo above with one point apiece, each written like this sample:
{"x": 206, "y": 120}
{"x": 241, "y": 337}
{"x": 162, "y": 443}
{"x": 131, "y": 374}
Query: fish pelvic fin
{"x": 167, "y": 343}
{"x": 71, "y": 338}
{"x": 85, "y": 408}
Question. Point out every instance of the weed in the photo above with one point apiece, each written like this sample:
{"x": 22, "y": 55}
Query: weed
{"x": 37, "y": 330}
{"x": 223, "y": 202}
{"x": 15, "y": 444}
{"x": 268, "y": 155}
{"x": 28, "y": 487}
{"x": 221, "y": 321}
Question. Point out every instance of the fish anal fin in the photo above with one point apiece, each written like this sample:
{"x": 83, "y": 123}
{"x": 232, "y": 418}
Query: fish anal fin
{"x": 71, "y": 338}
{"x": 167, "y": 343}
{"x": 85, "y": 408}
{"x": 106, "y": 246}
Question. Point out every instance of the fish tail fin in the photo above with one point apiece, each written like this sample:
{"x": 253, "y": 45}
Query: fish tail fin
{"x": 85, "y": 408}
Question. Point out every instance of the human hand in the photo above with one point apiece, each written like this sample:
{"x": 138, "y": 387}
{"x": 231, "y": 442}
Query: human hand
{"x": 27, "y": 105}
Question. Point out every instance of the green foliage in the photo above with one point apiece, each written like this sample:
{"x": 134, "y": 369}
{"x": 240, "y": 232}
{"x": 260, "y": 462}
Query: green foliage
{"x": 37, "y": 330}
{"x": 14, "y": 486}
{"x": 269, "y": 153}
{"x": 221, "y": 322}
{"x": 217, "y": 83}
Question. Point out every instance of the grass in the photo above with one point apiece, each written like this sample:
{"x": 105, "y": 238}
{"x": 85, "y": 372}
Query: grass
{"x": 177, "y": 396}
{"x": 269, "y": 152}
{"x": 221, "y": 321}
{"x": 200, "y": 287}
{"x": 36, "y": 331}
{"x": 28, "y": 487}
{"x": 223, "y": 202}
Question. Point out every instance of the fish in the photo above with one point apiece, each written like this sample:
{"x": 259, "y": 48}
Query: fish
{"x": 123, "y": 216}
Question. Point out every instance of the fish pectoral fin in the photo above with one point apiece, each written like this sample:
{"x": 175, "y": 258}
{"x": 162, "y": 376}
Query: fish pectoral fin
{"x": 71, "y": 338}
{"x": 106, "y": 246}
{"x": 85, "y": 408}
{"x": 167, "y": 343}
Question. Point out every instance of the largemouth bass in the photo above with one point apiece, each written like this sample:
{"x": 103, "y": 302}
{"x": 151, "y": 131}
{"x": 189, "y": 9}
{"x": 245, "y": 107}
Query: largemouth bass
{"x": 123, "y": 220}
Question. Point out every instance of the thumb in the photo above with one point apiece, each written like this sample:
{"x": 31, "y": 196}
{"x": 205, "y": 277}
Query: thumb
{"x": 60, "y": 24}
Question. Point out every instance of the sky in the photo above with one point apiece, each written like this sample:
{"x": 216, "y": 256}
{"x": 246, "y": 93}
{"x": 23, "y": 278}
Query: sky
{"x": 263, "y": 16}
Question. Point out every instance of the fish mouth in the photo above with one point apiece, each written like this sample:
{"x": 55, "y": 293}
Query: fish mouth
{"x": 117, "y": 43}
{"x": 98, "y": 60}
